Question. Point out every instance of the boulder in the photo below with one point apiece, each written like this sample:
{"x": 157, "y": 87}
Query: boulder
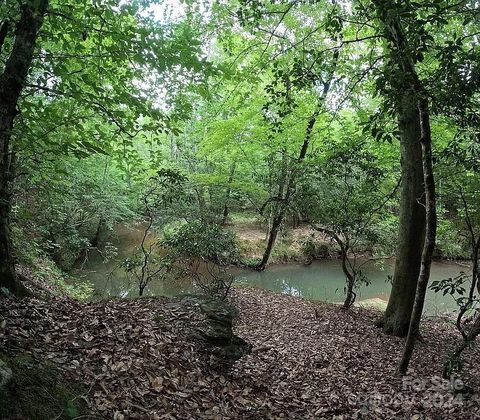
{"x": 219, "y": 342}
{"x": 218, "y": 332}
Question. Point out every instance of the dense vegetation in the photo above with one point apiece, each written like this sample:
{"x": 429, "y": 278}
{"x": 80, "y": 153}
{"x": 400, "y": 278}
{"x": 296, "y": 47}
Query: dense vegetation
{"x": 355, "y": 120}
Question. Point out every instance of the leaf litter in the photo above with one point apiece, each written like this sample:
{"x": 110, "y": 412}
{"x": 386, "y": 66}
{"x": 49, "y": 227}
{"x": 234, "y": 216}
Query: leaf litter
{"x": 141, "y": 359}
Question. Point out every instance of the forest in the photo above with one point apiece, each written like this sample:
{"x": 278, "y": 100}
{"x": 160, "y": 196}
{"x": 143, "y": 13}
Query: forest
{"x": 239, "y": 209}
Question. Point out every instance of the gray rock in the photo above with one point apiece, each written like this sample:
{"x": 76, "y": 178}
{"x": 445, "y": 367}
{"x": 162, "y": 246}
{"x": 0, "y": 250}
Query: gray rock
{"x": 217, "y": 331}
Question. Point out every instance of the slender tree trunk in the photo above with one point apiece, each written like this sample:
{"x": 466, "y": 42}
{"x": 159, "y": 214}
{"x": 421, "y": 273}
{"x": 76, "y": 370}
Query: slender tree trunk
{"x": 283, "y": 200}
{"x": 227, "y": 194}
{"x": 272, "y": 237}
{"x": 269, "y": 224}
{"x": 290, "y": 185}
{"x": 350, "y": 274}
{"x": 350, "y": 295}
{"x": 431, "y": 230}
{"x": 201, "y": 201}
{"x": 454, "y": 358}
{"x": 12, "y": 81}
{"x": 277, "y": 213}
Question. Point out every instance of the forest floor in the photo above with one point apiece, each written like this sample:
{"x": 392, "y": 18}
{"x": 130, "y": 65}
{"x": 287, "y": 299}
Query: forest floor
{"x": 139, "y": 359}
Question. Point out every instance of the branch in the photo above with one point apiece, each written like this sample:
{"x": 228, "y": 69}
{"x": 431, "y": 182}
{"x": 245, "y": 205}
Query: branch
{"x": 94, "y": 103}
{"x": 3, "y": 33}
{"x": 282, "y": 17}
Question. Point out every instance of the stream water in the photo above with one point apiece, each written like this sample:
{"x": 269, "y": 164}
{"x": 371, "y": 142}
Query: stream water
{"x": 323, "y": 280}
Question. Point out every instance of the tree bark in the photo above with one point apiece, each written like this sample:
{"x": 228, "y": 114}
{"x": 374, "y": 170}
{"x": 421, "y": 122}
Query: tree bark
{"x": 455, "y": 355}
{"x": 278, "y": 212}
{"x": 12, "y": 81}
{"x": 396, "y": 319}
{"x": 431, "y": 230}
{"x": 289, "y": 187}
{"x": 350, "y": 273}
{"x": 350, "y": 295}
{"x": 227, "y": 194}
{"x": 411, "y": 233}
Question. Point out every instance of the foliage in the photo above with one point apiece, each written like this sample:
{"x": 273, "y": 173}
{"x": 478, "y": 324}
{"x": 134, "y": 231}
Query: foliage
{"x": 71, "y": 207}
{"x": 202, "y": 251}
{"x": 221, "y": 116}
{"x": 198, "y": 240}
{"x": 161, "y": 191}
{"x": 452, "y": 286}
{"x": 343, "y": 196}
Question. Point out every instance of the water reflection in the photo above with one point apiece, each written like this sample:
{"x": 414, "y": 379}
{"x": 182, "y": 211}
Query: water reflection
{"x": 324, "y": 280}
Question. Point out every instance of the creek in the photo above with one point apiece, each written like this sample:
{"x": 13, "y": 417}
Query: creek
{"x": 323, "y": 280}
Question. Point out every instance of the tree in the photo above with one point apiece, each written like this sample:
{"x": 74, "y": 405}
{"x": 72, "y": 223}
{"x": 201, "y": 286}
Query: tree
{"x": 311, "y": 75}
{"x": 161, "y": 192}
{"x": 201, "y": 252}
{"x": 402, "y": 80}
{"x": 460, "y": 178}
{"x": 342, "y": 194}
{"x": 12, "y": 81}
{"x": 411, "y": 102}
{"x": 84, "y": 82}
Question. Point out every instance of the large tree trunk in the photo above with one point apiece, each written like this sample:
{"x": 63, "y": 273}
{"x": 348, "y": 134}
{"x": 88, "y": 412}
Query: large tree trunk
{"x": 431, "y": 230}
{"x": 12, "y": 81}
{"x": 411, "y": 236}
{"x": 412, "y": 221}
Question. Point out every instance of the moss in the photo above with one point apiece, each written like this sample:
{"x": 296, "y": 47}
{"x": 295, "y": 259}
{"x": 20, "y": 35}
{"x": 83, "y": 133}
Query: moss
{"x": 251, "y": 247}
{"x": 38, "y": 392}
{"x": 373, "y": 303}
{"x": 285, "y": 251}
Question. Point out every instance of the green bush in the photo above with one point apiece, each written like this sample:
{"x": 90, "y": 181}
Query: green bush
{"x": 449, "y": 243}
{"x": 199, "y": 240}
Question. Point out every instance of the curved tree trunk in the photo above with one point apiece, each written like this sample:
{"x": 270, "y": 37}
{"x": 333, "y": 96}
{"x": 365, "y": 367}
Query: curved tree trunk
{"x": 279, "y": 210}
{"x": 287, "y": 188}
{"x": 350, "y": 295}
{"x": 12, "y": 81}
{"x": 285, "y": 199}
